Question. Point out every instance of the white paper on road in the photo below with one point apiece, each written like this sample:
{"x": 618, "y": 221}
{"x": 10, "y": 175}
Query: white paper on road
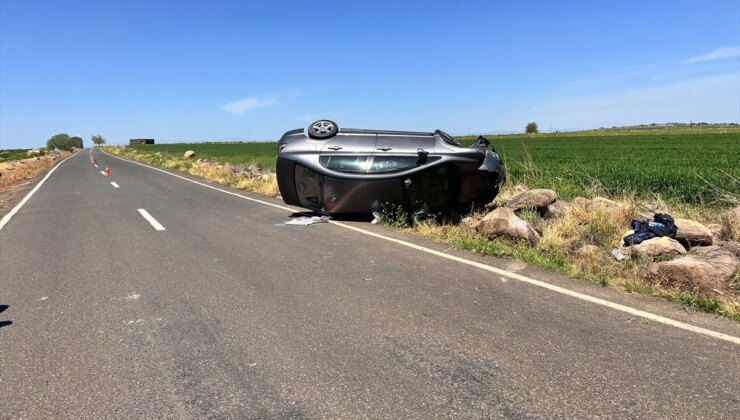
{"x": 305, "y": 221}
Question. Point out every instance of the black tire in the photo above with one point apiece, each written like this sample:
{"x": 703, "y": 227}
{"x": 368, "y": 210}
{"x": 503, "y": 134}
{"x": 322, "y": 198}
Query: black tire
{"x": 322, "y": 129}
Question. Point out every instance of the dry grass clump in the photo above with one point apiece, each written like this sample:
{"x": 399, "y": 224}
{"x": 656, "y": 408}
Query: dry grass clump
{"x": 730, "y": 225}
{"x": 579, "y": 227}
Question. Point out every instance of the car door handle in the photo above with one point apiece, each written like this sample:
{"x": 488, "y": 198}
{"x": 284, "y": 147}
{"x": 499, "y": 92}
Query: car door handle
{"x": 385, "y": 149}
{"x": 334, "y": 147}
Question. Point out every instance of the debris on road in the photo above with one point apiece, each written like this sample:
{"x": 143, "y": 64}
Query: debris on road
{"x": 305, "y": 221}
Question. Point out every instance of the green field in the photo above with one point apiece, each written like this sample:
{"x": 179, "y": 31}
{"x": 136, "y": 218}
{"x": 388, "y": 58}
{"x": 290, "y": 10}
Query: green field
{"x": 262, "y": 154}
{"x": 700, "y": 168}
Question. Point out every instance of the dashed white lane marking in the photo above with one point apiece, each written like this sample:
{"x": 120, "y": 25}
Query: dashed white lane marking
{"x": 102, "y": 172}
{"x": 598, "y": 301}
{"x": 152, "y": 221}
{"x": 114, "y": 185}
{"x": 28, "y": 196}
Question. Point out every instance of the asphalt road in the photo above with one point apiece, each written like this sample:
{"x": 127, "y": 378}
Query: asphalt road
{"x": 228, "y": 314}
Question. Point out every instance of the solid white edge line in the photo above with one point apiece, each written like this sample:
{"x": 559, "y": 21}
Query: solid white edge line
{"x": 115, "y": 185}
{"x": 514, "y": 276}
{"x": 28, "y": 196}
{"x": 152, "y": 221}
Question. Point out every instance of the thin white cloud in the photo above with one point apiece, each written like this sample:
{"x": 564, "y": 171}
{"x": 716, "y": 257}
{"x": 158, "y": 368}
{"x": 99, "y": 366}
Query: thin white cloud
{"x": 249, "y": 103}
{"x": 617, "y": 74}
{"x": 718, "y": 54}
{"x": 712, "y": 99}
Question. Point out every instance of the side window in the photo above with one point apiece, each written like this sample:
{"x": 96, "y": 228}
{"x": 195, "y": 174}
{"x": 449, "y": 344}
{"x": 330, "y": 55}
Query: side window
{"x": 386, "y": 164}
{"x": 349, "y": 164}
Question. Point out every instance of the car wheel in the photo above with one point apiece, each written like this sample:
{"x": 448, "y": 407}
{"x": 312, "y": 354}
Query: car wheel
{"x": 322, "y": 129}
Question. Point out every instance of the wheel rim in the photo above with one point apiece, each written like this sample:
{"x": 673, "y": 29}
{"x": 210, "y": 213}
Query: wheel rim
{"x": 322, "y": 127}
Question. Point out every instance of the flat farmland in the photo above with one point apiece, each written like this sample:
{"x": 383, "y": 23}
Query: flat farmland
{"x": 261, "y": 154}
{"x": 696, "y": 168}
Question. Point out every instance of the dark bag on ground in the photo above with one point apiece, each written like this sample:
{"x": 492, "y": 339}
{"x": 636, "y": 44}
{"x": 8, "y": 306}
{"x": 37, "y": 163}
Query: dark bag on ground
{"x": 662, "y": 225}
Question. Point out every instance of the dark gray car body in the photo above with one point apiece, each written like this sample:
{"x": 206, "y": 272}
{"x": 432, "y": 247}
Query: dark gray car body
{"x": 359, "y": 171}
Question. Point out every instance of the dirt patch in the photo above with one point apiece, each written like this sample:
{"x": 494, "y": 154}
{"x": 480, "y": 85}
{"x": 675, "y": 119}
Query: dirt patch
{"x": 18, "y": 177}
{"x": 13, "y": 194}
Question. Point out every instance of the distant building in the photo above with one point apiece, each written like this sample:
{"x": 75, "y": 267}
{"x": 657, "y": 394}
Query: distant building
{"x": 141, "y": 141}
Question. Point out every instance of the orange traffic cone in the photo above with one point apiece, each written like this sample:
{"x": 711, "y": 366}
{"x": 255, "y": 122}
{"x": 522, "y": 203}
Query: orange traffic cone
{"x": 107, "y": 171}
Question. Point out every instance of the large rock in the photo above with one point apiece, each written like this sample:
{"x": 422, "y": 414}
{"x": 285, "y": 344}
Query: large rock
{"x": 717, "y": 232}
{"x": 693, "y": 233}
{"x": 537, "y": 199}
{"x": 704, "y": 270}
{"x": 503, "y": 222}
{"x": 188, "y": 154}
{"x": 735, "y": 213}
{"x": 732, "y": 246}
{"x": 516, "y": 189}
{"x": 654, "y": 248}
{"x": 647, "y": 211}
{"x": 610, "y": 206}
{"x": 504, "y": 196}
{"x": 581, "y": 202}
{"x": 556, "y": 210}
{"x": 604, "y": 202}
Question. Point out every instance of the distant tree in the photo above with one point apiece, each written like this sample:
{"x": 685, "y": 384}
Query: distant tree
{"x": 60, "y": 141}
{"x": 76, "y": 142}
{"x": 98, "y": 139}
{"x": 531, "y": 128}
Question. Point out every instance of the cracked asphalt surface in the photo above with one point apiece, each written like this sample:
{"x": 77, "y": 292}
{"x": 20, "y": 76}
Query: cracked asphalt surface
{"x": 228, "y": 314}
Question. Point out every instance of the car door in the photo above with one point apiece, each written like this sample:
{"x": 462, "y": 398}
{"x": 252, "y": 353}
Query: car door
{"x": 399, "y": 152}
{"x": 348, "y": 153}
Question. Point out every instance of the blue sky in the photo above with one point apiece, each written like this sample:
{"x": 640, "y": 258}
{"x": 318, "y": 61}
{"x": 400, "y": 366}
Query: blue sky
{"x": 217, "y": 70}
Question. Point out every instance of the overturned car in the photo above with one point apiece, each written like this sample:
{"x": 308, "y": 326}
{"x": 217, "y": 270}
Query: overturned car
{"x": 333, "y": 170}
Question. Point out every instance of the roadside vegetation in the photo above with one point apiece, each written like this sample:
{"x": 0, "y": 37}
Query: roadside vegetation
{"x": 18, "y": 154}
{"x": 689, "y": 172}
{"x": 259, "y": 154}
{"x": 63, "y": 141}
